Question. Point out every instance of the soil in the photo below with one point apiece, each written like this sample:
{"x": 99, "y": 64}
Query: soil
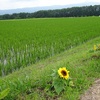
{"x": 93, "y": 93}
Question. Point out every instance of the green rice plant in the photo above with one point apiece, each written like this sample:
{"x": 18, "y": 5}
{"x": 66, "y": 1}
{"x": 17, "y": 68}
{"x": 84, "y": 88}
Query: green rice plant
{"x": 25, "y": 42}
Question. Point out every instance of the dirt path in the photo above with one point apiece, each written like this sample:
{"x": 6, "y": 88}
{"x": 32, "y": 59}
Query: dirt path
{"x": 93, "y": 93}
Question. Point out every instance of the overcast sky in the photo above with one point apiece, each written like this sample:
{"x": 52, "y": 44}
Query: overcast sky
{"x": 13, "y": 4}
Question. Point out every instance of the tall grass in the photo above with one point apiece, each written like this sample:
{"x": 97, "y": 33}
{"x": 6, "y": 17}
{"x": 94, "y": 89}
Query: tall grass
{"x": 24, "y": 42}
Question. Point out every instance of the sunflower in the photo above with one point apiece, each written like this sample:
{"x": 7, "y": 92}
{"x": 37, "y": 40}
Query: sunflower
{"x": 63, "y": 73}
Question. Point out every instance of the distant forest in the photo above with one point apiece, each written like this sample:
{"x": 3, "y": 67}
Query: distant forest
{"x": 66, "y": 12}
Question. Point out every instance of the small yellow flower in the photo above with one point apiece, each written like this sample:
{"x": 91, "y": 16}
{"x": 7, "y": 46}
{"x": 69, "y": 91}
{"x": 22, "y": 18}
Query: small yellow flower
{"x": 95, "y": 47}
{"x": 63, "y": 73}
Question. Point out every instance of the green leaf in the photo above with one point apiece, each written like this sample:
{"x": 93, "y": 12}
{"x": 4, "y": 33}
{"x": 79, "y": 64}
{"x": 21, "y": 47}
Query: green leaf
{"x": 53, "y": 70}
{"x": 59, "y": 88}
{"x": 4, "y": 93}
{"x": 58, "y": 85}
{"x": 71, "y": 83}
{"x": 53, "y": 74}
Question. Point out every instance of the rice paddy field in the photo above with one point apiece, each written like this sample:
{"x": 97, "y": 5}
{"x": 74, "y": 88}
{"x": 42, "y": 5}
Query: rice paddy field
{"x": 24, "y": 42}
{"x": 28, "y": 42}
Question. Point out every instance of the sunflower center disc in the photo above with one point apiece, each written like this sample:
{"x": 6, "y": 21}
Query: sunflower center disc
{"x": 64, "y": 73}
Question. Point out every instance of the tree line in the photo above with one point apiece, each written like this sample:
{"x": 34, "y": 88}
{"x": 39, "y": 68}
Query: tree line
{"x": 66, "y": 12}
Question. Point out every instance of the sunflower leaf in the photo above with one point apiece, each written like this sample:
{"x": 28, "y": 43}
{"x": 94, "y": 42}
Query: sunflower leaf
{"x": 58, "y": 85}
